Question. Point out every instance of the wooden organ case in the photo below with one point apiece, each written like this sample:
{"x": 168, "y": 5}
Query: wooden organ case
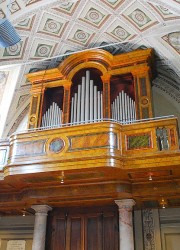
{"x": 92, "y": 86}
{"x": 88, "y": 89}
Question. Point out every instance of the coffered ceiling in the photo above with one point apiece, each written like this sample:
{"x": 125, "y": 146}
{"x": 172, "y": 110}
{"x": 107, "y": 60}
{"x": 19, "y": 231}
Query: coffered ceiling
{"x": 52, "y": 29}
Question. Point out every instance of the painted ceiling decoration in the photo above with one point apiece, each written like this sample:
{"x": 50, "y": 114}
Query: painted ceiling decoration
{"x": 51, "y": 30}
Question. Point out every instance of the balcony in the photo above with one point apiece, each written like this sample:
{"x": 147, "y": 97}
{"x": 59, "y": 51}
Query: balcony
{"x": 106, "y": 144}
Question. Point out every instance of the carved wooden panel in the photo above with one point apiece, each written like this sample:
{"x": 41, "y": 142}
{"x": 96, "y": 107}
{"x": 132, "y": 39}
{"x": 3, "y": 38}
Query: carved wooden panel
{"x": 30, "y": 148}
{"x": 66, "y": 106}
{"x": 143, "y": 87}
{"x": 138, "y": 141}
{"x": 145, "y": 97}
{"x": 172, "y": 135}
{"x": 92, "y": 141}
{"x": 34, "y": 110}
{"x": 106, "y": 100}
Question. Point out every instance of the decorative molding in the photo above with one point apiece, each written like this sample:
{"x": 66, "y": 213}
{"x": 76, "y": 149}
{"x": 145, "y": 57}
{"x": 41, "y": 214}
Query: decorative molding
{"x": 148, "y": 229}
{"x": 151, "y": 229}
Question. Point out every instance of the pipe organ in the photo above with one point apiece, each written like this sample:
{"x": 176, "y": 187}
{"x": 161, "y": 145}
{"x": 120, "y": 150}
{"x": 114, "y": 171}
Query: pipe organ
{"x": 92, "y": 86}
{"x": 92, "y": 91}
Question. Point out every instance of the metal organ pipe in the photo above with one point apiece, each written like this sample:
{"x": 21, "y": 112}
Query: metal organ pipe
{"x": 99, "y": 105}
{"x": 52, "y": 117}
{"x": 115, "y": 107}
{"x": 75, "y": 108}
{"x": 72, "y": 108}
{"x": 51, "y": 114}
{"x": 118, "y": 108}
{"x": 125, "y": 111}
{"x": 91, "y": 114}
{"x": 120, "y": 105}
{"x": 86, "y": 104}
{"x": 123, "y": 108}
{"x": 127, "y": 104}
{"x": 48, "y": 120}
{"x": 87, "y": 96}
{"x": 134, "y": 110}
{"x": 82, "y": 99}
{"x": 95, "y": 102}
{"x": 78, "y": 103}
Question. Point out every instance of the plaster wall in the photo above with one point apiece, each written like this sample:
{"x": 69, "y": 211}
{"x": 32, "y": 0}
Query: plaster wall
{"x": 164, "y": 105}
{"x": 17, "y": 229}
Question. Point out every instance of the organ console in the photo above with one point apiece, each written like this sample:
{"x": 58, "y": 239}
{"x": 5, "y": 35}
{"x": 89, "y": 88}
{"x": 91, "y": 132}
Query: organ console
{"x": 90, "y": 87}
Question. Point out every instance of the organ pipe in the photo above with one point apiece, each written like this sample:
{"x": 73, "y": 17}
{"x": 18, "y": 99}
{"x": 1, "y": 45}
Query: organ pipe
{"x": 99, "y": 104}
{"x": 123, "y": 108}
{"x": 52, "y": 117}
{"x": 91, "y": 101}
{"x": 72, "y": 108}
{"x": 87, "y": 96}
{"x": 78, "y": 103}
{"x": 95, "y": 102}
{"x": 82, "y": 99}
{"x": 87, "y": 102}
{"x": 75, "y": 108}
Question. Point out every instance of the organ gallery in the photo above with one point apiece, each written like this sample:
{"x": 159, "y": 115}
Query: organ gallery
{"x": 91, "y": 148}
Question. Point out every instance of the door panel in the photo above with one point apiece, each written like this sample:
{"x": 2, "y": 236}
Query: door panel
{"x": 83, "y": 229}
{"x": 111, "y": 235}
{"x": 170, "y": 237}
{"x": 59, "y": 237}
{"x": 74, "y": 237}
{"x": 94, "y": 233}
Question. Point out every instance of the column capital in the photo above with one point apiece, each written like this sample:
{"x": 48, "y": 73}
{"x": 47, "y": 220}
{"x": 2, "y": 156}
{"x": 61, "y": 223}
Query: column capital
{"x": 125, "y": 203}
{"x": 140, "y": 71}
{"x": 68, "y": 84}
{"x": 41, "y": 209}
{"x": 106, "y": 78}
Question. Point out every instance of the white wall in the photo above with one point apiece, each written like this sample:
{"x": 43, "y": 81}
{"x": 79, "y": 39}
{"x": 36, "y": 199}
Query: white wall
{"x": 16, "y": 228}
{"x": 7, "y": 96}
{"x": 164, "y": 105}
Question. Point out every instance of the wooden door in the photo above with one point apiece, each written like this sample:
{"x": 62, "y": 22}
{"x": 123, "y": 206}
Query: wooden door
{"x": 85, "y": 230}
